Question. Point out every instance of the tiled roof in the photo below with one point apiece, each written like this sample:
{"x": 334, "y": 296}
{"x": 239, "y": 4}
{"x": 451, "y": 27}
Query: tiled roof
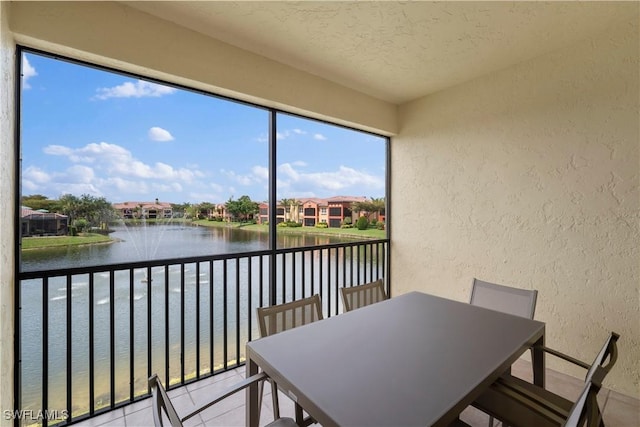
{"x": 325, "y": 201}
{"x": 336, "y": 199}
{"x": 145, "y": 205}
{"x": 26, "y": 212}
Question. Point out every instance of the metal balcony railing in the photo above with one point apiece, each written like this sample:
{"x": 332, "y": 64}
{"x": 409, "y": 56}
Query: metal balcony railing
{"x": 90, "y": 337}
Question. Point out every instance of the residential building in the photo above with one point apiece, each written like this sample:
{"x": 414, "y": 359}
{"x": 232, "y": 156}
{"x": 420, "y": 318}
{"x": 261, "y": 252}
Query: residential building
{"x": 339, "y": 208}
{"x": 311, "y": 211}
{"x": 144, "y": 210}
{"x": 43, "y": 223}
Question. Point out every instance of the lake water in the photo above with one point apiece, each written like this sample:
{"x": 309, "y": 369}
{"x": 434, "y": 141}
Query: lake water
{"x": 170, "y": 289}
{"x": 162, "y": 241}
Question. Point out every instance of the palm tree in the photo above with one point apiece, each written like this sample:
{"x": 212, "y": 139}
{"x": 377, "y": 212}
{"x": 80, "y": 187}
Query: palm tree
{"x": 378, "y": 205}
{"x": 369, "y": 207}
{"x": 206, "y": 209}
{"x": 287, "y": 203}
{"x": 69, "y": 204}
{"x": 295, "y": 214}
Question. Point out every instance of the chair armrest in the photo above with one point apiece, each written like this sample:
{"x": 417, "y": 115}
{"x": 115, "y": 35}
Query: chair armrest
{"x": 228, "y": 392}
{"x": 565, "y": 357}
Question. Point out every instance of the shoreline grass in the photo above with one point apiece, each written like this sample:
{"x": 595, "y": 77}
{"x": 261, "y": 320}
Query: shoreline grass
{"x": 32, "y": 243}
{"x": 370, "y": 233}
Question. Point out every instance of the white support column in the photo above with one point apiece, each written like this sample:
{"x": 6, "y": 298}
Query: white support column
{"x": 7, "y": 232}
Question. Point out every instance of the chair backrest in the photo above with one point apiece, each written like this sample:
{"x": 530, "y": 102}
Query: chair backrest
{"x": 278, "y": 318}
{"x": 585, "y": 410}
{"x": 361, "y": 295}
{"x": 162, "y": 404}
{"x": 609, "y": 352}
{"x": 519, "y": 302}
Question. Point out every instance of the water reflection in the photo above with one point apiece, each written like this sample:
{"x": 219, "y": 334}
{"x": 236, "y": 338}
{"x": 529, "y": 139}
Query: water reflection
{"x": 163, "y": 241}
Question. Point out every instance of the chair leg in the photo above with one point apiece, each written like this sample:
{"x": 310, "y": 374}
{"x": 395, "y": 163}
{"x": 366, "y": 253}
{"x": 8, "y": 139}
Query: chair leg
{"x": 260, "y": 393}
{"x": 274, "y": 397}
{"x": 299, "y": 415}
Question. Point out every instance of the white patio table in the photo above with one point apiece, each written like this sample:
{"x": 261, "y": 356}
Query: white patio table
{"x": 413, "y": 360}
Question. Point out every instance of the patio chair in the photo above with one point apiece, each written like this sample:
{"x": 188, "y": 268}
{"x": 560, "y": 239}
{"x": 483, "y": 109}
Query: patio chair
{"x": 519, "y": 403}
{"x": 282, "y": 317}
{"x": 519, "y": 302}
{"x": 163, "y": 408}
{"x": 359, "y": 296}
{"x": 586, "y": 407}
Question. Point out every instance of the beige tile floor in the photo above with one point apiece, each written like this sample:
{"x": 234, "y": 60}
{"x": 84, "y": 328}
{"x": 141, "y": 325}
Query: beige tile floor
{"x": 618, "y": 410}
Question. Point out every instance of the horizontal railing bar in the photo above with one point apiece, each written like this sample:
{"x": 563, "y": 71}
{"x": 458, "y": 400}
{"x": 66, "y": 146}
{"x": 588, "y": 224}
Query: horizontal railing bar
{"x": 331, "y": 246}
{"x": 26, "y": 275}
{"x": 38, "y": 274}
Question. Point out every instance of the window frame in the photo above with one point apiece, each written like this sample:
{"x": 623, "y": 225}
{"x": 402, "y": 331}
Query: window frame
{"x": 272, "y": 136}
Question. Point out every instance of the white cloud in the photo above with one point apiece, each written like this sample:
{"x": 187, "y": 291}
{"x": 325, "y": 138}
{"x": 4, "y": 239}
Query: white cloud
{"x": 77, "y": 179}
{"x": 76, "y": 188}
{"x": 57, "y": 150}
{"x": 287, "y": 170}
{"x": 344, "y": 179}
{"x": 201, "y": 197}
{"x": 139, "y": 89}
{"x": 216, "y": 187}
{"x": 119, "y": 161}
{"x": 129, "y": 186}
{"x": 159, "y": 134}
{"x": 29, "y": 186}
{"x": 74, "y": 156}
{"x": 289, "y": 132}
{"x": 33, "y": 179}
{"x": 27, "y": 72}
{"x": 244, "y": 179}
{"x": 260, "y": 172}
{"x": 172, "y": 187}
{"x": 109, "y": 170}
{"x": 319, "y": 137}
{"x": 79, "y": 174}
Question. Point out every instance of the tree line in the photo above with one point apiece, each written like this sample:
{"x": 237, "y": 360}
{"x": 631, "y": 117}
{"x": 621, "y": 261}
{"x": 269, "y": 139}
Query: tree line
{"x": 84, "y": 212}
{"x": 87, "y": 211}
{"x": 243, "y": 209}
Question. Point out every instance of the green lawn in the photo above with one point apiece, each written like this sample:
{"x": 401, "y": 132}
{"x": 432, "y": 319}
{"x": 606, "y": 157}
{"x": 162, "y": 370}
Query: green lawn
{"x": 346, "y": 232}
{"x": 49, "y": 241}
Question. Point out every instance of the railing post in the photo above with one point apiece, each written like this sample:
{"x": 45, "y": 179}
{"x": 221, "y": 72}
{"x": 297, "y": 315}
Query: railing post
{"x": 273, "y": 238}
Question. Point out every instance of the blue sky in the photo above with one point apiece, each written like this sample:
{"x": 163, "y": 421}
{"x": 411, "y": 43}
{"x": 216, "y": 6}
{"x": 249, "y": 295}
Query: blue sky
{"x": 88, "y": 131}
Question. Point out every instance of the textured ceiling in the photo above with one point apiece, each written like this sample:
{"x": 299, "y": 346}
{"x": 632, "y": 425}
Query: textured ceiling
{"x": 394, "y": 51}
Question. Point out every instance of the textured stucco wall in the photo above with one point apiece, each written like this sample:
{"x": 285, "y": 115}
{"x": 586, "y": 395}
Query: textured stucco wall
{"x": 112, "y": 34}
{"x": 7, "y": 191}
{"x": 529, "y": 177}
